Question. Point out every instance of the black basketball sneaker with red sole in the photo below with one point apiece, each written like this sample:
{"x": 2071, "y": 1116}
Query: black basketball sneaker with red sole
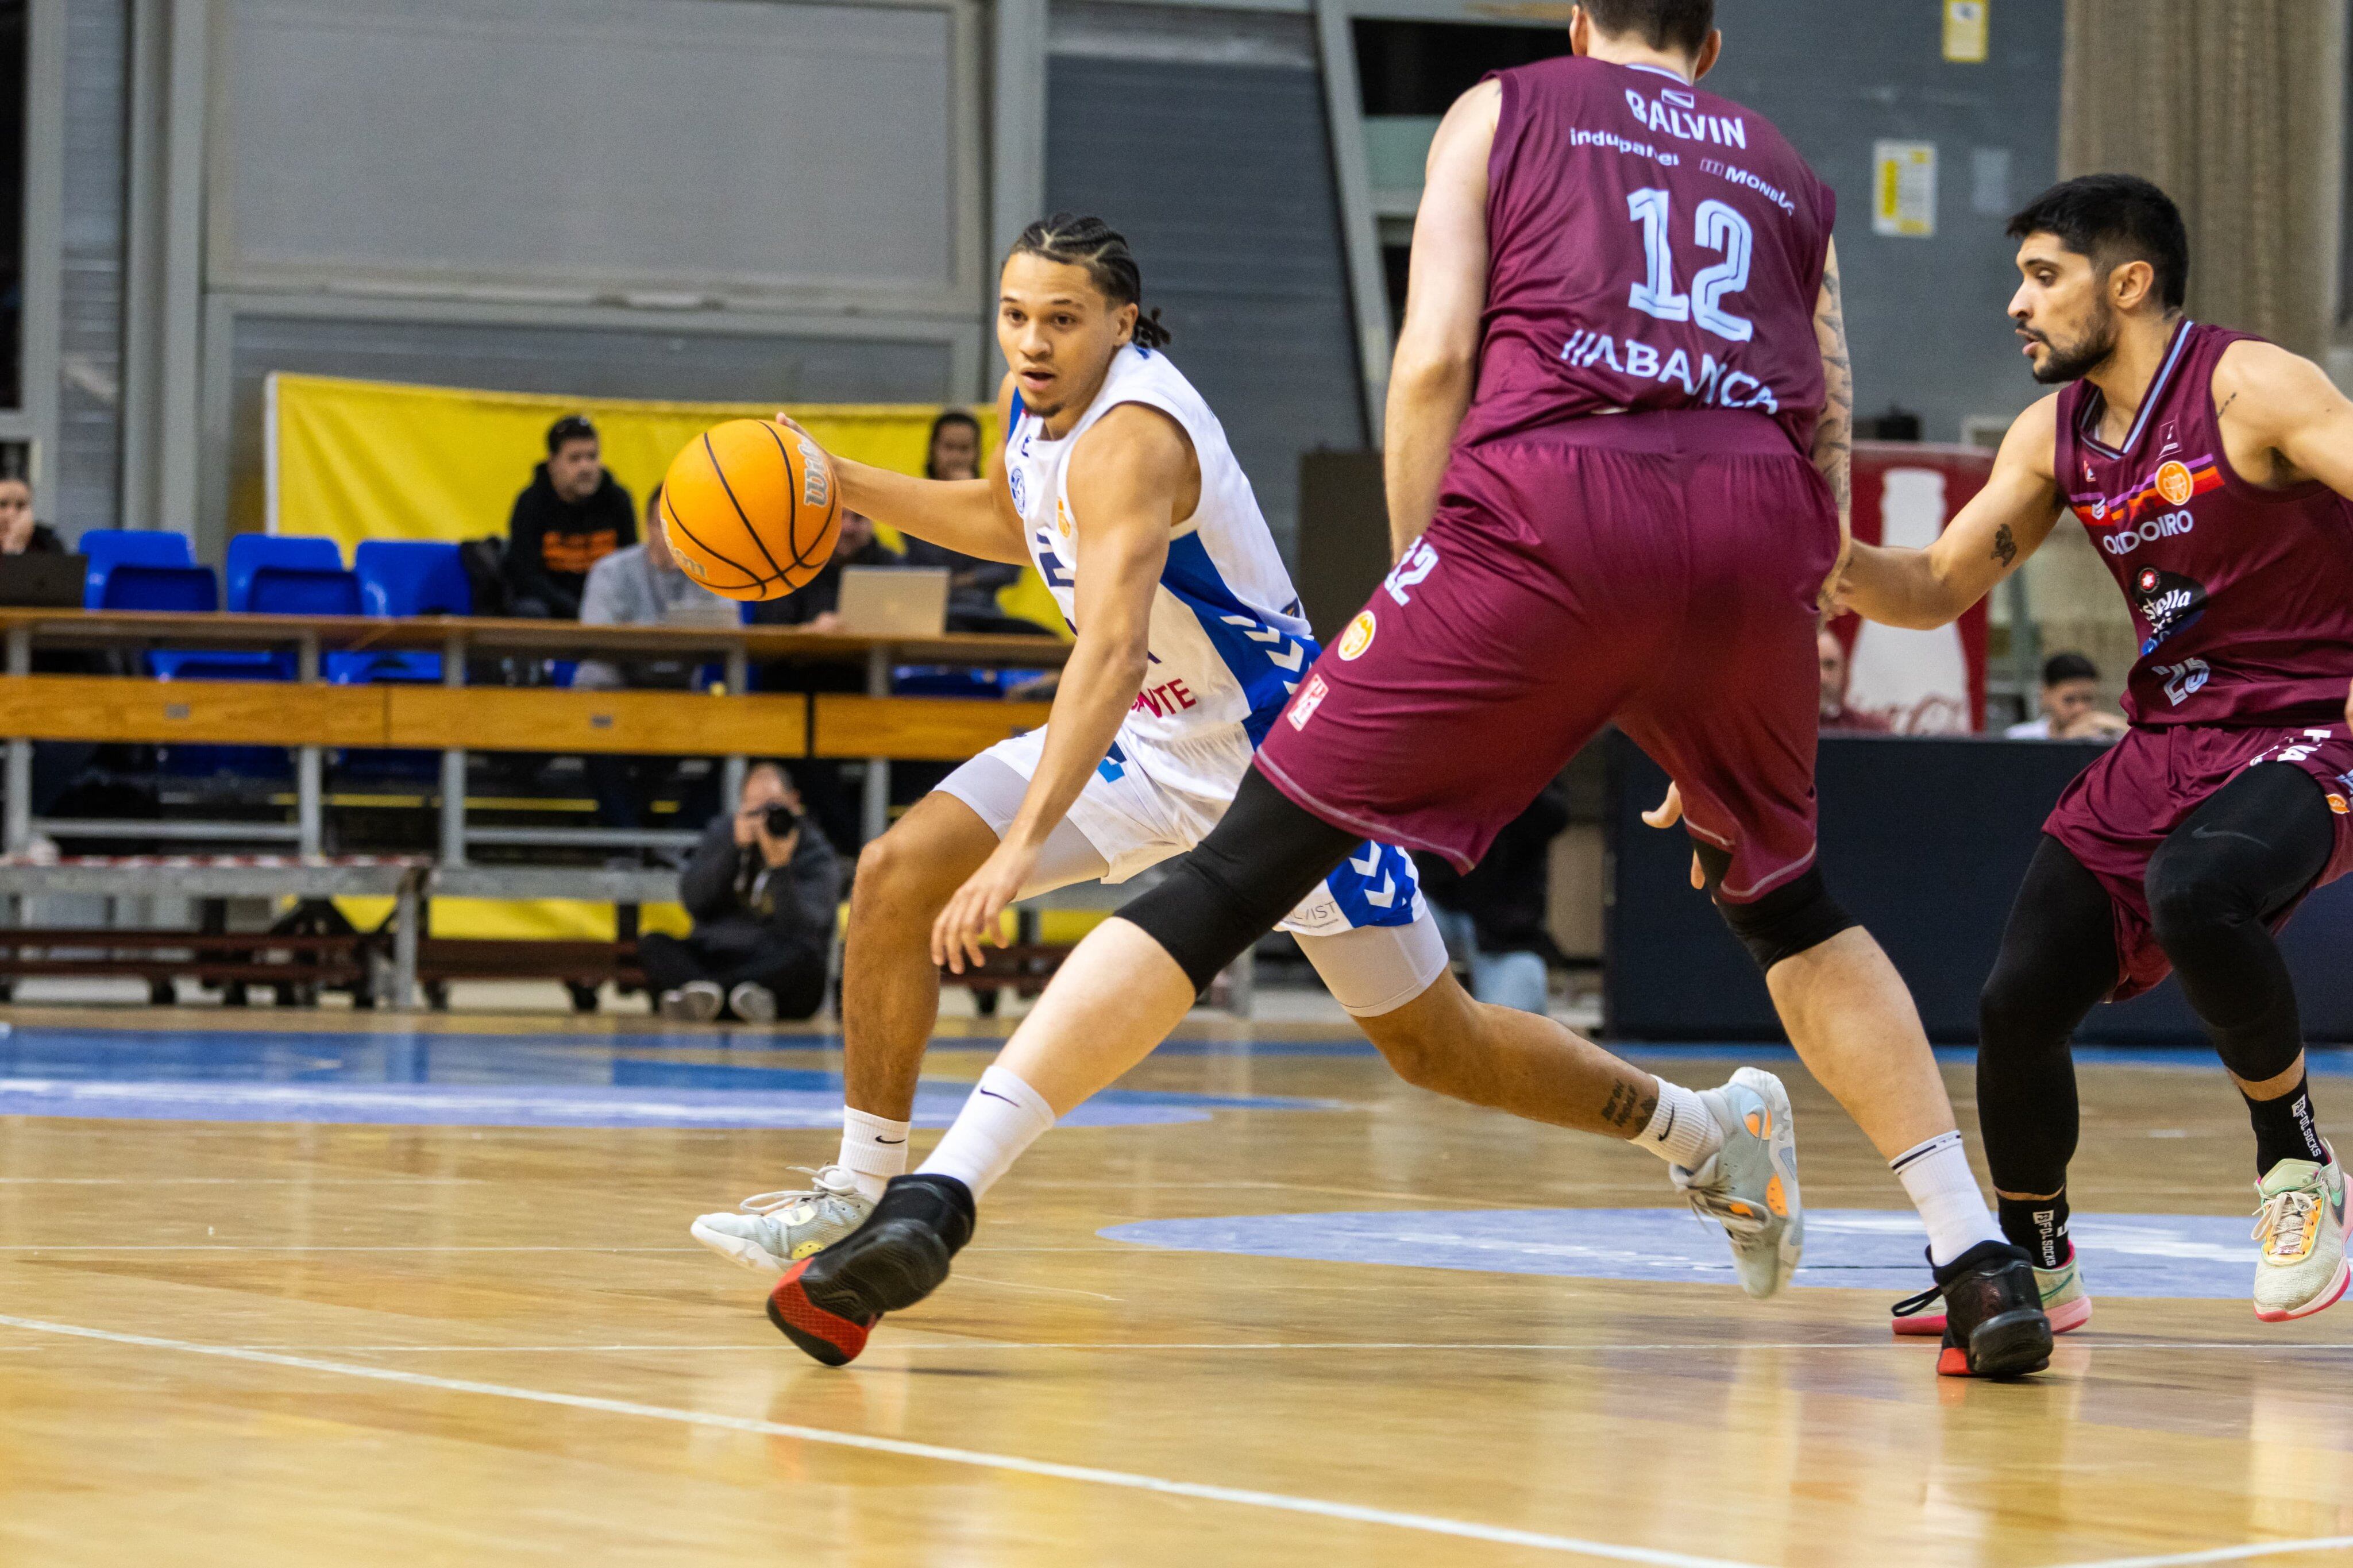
{"x": 1994, "y": 1322}
{"x": 828, "y": 1302}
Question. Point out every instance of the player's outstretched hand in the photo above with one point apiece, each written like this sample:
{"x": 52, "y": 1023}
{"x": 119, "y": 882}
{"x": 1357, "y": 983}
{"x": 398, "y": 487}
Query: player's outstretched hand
{"x": 1670, "y": 811}
{"x": 971, "y": 916}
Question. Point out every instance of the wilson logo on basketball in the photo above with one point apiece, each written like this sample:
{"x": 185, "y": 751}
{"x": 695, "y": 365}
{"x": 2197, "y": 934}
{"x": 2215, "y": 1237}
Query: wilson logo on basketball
{"x": 2174, "y": 483}
{"x": 1359, "y": 637}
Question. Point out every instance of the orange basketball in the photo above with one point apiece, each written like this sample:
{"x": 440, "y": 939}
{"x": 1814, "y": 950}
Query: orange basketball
{"x": 751, "y": 508}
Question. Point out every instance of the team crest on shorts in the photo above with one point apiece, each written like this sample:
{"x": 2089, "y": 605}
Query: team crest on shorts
{"x": 1359, "y": 637}
{"x": 2174, "y": 483}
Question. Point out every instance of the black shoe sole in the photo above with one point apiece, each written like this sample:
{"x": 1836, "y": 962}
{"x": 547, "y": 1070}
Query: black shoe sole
{"x": 2010, "y": 1345}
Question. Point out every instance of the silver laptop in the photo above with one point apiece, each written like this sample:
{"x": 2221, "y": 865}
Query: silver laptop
{"x": 894, "y": 601}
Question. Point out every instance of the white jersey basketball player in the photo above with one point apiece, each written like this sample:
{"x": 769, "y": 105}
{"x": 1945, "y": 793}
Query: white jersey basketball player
{"x": 1116, "y": 482}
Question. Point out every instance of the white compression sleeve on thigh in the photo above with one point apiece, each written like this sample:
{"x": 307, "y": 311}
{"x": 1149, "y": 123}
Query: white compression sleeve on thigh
{"x": 1374, "y": 970}
{"x": 1003, "y": 1118}
{"x": 1937, "y": 1175}
{"x": 873, "y": 1149}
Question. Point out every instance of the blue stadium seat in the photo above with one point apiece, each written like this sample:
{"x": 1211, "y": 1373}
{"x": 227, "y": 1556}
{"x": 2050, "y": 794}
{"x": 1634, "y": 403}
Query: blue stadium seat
{"x": 250, "y": 553}
{"x": 109, "y": 548}
{"x": 134, "y": 585}
{"x": 370, "y": 669}
{"x": 412, "y": 578}
{"x": 404, "y": 577}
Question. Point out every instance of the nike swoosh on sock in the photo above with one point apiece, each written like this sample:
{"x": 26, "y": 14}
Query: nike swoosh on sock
{"x": 1006, "y": 1098}
{"x": 880, "y": 1139}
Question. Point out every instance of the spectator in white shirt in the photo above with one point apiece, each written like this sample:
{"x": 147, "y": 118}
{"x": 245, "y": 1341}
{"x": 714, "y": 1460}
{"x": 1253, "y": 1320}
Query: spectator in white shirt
{"x": 2071, "y": 704}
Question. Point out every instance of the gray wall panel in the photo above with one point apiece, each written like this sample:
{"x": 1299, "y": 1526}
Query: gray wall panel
{"x": 1220, "y": 175}
{"x": 84, "y": 478}
{"x": 1925, "y": 317}
{"x": 732, "y": 146}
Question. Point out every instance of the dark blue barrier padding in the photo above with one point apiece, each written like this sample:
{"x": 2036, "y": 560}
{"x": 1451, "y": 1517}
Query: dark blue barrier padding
{"x": 1925, "y": 841}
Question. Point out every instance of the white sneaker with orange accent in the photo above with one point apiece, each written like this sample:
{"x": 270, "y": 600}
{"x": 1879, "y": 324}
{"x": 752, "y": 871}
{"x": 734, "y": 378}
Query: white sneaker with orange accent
{"x": 2301, "y": 1227}
{"x": 1750, "y": 1185}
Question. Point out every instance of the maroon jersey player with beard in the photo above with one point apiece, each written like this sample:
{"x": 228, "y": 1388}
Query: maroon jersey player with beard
{"x": 2211, "y": 469}
{"x": 1617, "y": 459}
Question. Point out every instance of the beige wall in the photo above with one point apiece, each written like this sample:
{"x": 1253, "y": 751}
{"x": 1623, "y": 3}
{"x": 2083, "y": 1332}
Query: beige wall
{"x": 2236, "y": 108}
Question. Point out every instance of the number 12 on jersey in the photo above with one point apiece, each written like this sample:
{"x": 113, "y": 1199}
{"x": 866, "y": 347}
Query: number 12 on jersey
{"x": 1717, "y": 227}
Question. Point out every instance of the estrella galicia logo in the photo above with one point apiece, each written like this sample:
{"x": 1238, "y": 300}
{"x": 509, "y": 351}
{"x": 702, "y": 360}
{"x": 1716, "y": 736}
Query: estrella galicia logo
{"x": 2169, "y": 602}
{"x": 1020, "y": 491}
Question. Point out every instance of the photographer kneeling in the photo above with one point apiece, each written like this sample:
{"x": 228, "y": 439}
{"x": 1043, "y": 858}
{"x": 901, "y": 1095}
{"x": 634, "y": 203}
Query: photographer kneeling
{"x": 763, "y": 887}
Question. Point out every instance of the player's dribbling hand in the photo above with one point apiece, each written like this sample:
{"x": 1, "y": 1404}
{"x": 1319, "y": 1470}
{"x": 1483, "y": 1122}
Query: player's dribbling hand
{"x": 971, "y": 916}
{"x": 1670, "y": 811}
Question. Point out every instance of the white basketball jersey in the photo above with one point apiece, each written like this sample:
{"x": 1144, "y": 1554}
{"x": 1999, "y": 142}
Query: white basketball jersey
{"x": 1228, "y": 641}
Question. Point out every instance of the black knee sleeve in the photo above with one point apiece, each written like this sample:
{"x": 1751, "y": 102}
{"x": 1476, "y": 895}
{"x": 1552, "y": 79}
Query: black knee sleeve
{"x": 1794, "y": 917}
{"x": 1263, "y": 857}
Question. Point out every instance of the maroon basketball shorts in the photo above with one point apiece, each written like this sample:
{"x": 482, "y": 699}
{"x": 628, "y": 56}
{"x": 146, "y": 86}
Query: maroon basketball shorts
{"x": 2117, "y": 811}
{"x": 1658, "y": 570}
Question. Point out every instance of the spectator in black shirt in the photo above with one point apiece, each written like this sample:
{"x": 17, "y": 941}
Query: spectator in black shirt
{"x": 817, "y": 603}
{"x": 972, "y": 583}
{"x": 573, "y": 515}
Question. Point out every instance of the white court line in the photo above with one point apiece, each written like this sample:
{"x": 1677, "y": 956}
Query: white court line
{"x": 1240, "y": 1497}
{"x": 2225, "y": 1553}
{"x": 273, "y": 1246}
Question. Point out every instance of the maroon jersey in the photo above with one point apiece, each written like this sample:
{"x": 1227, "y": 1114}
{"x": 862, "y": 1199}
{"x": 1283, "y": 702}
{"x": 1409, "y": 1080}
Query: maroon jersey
{"x": 2243, "y": 596}
{"x": 1651, "y": 246}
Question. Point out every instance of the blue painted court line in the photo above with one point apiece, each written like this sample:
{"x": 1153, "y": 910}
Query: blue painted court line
{"x": 450, "y": 1079}
{"x": 546, "y": 1105}
{"x": 2196, "y": 1257}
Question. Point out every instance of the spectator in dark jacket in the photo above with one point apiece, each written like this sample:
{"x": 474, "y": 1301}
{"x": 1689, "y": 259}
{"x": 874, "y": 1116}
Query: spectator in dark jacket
{"x": 972, "y": 583}
{"x": 573, "y": 515}
{"x": 764, "y": 895}
{"x": 58, "y": 765}
{"x": 19, "y": 534}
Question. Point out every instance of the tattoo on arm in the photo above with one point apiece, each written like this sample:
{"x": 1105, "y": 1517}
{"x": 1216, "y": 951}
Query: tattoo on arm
{"x": 1626, "y": 1108}
{"x": 2226, "y": 406}
{"x": 2005, "y": 545}
{"x": 1834, "y": 434}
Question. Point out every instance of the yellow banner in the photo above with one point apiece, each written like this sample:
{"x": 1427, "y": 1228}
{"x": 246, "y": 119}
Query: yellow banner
{"x": 370, "y": 459}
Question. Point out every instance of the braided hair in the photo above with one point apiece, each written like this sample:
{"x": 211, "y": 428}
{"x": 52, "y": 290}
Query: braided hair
{"x": 1089, "y": 242}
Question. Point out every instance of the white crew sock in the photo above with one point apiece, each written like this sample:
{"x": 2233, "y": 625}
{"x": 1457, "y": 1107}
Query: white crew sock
{"x": 1681, "y": 1132}
{"x": 873, "y": 1149}
{"x": 1003, "y": 1118}
{"x": 1937, "y": 1175}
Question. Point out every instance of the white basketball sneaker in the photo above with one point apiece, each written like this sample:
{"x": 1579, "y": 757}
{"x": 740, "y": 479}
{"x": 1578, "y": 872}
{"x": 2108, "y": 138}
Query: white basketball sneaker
{"x": 2301, "y": 1225}
{"x": 1750, "y": 1185}
{"x": 772, "y": 1231}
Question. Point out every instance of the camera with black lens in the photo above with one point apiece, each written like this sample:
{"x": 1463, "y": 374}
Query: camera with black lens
{"x": 781, "y": 820}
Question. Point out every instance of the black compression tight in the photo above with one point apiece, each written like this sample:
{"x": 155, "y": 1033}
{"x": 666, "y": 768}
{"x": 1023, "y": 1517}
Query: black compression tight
{"x": 2214, "y": 886}
{"x": 1264, "y": 855}
{"x": 2250, "y": 850}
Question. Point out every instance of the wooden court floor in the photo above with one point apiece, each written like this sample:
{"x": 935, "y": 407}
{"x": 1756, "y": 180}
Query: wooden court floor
{"x": 266, "y": 1343}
